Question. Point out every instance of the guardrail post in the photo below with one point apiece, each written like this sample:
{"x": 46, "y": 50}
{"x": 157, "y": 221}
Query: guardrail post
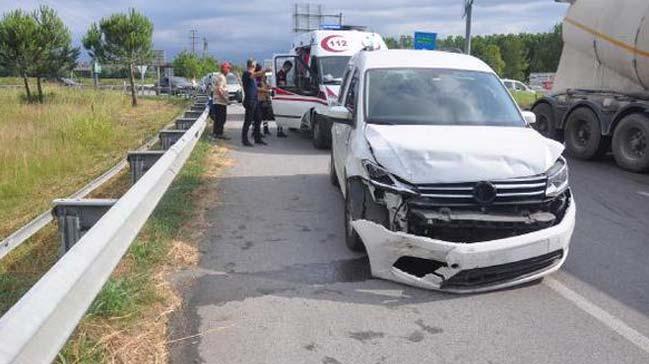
{"x": 193, "y": 114}
{"x": 76, "y": 216}
{"x": 141, "y": 161}
{"x": 169, "y": 137}
{"x": 184, "y": 123}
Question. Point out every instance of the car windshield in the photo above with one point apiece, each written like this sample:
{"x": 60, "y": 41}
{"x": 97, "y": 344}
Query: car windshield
{"x": 333, "y": 68}
{"x": 438, "y": 97}
{"x": 232, "y": 79}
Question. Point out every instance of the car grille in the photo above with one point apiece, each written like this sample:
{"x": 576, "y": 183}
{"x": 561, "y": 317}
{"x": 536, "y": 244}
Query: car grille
{"x": 496, "y": 274}
{"x": 511, "y": 191}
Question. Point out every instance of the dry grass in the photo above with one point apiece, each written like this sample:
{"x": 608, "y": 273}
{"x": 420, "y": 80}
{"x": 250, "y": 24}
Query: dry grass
{"x": 49, "y": 151}
{"x": 135, "y": 330}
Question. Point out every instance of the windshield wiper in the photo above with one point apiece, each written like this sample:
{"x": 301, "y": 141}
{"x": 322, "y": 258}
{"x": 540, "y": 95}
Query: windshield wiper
{"x": 379, "y": 122}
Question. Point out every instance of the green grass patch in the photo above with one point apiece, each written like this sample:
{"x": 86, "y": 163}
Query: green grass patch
{"x": 131, "y": 290}
{"x": 49, "y": 151}
{"x": 525, "y": 99}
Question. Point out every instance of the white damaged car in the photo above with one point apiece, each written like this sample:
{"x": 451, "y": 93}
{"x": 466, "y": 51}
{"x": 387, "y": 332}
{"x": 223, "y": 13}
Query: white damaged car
{"x": 446, "y": 185}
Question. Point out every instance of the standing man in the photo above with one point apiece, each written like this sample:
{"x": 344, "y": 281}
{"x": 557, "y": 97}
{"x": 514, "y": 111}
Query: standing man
{"x": 251, "y": 104}
{"x": 221, "y": 101}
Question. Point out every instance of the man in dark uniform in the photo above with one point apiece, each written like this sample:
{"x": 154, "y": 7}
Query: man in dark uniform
{"x": 251, "y": 104}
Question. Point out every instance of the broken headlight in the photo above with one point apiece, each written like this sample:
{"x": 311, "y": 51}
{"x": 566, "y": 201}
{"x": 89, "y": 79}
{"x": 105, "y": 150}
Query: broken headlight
{"x": 557, "y": 178}
{"x": 381, "y": 178}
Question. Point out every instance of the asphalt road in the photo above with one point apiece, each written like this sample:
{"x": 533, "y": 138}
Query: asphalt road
{"x": 276, "y": 283}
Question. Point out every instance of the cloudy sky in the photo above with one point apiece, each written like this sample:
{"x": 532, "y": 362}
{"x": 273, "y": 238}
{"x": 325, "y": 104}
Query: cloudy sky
{"x": 237, "y": 29}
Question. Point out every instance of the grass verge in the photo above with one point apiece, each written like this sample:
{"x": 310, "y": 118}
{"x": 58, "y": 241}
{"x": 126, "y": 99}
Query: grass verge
{"x": 525, "y": 99}
{"x": 51, "y": 150}
{"x": 127, "y": 321}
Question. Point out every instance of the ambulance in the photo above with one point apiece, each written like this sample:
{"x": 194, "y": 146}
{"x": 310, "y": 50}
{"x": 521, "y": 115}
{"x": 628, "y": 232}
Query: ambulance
{"x": 307, "y": 79}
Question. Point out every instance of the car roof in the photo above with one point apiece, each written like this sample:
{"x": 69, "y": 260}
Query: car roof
{"x": 410, "y": 58}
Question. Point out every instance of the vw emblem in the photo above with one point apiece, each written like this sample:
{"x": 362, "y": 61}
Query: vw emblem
{"x": 484, "y": 193}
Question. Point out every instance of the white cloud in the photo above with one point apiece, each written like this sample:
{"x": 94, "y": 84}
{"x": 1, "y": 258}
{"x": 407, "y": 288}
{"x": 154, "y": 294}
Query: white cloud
{"x": 236, "y": 30}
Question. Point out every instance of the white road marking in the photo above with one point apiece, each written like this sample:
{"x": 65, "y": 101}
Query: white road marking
{"x": 602, "y": 316}
{"x": 643, "y": 193}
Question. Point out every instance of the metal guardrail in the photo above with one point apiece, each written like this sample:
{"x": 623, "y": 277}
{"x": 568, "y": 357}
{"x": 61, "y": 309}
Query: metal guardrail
{"x": 35, "y": 328}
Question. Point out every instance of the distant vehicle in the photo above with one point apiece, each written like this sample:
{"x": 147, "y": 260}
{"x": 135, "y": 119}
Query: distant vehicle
{"x": 445, "y": 184}
{"x": 513, "y": 85}
{"x": 68, "y": 82}
{"x": 178, "y": 85}
{"x": 235, "y": 90}
{"x": 600, "y": 94}
{"x": 541, "y": 81}
{"x": 311, "y": 81}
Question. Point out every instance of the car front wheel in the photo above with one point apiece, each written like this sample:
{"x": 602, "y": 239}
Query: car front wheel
{"x": 353, "y": 211}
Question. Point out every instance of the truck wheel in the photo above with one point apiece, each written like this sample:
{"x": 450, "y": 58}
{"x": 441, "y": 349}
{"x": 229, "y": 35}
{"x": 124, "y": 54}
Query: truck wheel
{"x": 583, "y": 135}
{"x": 353, "y": 211}
{"x": 631, "y": 143}
{"x": 319, "y": 134}
{"x": 545, "y": 121}
{"x": 333, "y": 177}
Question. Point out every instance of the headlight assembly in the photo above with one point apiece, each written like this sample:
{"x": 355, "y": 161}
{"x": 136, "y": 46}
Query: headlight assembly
{"x": 557, "y": 178}
{"x": 381, "y": 178}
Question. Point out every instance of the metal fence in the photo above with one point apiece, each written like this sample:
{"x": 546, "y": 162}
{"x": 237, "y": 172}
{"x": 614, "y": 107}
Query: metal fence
{"x": 35, "y": 328}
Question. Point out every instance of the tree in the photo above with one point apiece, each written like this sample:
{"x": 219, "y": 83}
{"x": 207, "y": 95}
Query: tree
{"x": 186, "y": 64}
{"x": 491, "y": 56}
{"x": 123, "y": 39}
{"x": 208, "y": 64}
{"x": 18, "y": 31}
{"x": 514, "y": 55}
{"x": 391, "y": 42}
{"x": 55, "y": 54}
{"x": 190, "y": 65}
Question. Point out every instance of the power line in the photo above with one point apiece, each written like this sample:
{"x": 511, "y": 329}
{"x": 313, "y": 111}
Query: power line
{"x": 193, "y": 37}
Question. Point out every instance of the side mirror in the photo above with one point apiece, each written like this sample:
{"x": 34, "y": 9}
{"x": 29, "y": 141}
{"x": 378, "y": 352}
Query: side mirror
{"x": 529, "y": 117}
{"x": 339, "y": 114}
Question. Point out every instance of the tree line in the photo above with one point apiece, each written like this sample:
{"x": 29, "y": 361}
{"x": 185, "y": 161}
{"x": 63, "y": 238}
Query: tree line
{"x": 512, "y": 56}
{"x": 38, "y": 44}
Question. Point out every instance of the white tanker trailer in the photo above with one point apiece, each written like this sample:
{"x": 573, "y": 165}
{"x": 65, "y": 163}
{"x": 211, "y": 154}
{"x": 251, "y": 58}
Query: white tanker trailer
{"x": 600, "y": 97}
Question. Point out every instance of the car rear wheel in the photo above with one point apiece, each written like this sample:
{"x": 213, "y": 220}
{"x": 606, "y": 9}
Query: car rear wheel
{"x": 631, "y": 143}
{"x": 353, "y": 211}
{"x": 583, "y": 135}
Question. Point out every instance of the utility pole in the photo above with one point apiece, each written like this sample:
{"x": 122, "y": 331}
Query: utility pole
{"x": 204, "y": 46}
{"x": 468, "y": 6}
{"x": 193, "y": 38}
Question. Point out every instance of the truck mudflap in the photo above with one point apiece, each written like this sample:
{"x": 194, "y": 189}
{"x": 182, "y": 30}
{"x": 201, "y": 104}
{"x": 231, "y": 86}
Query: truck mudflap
{"x": 465, "y": 267}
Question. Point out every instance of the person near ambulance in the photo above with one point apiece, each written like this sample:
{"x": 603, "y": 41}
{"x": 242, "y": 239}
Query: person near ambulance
{"x": 251, "y": 104}
{"x": 220, "y": 101}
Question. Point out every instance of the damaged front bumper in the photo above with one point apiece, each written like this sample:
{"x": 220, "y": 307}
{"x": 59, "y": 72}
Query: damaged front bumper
{"x": 466, "y": 267}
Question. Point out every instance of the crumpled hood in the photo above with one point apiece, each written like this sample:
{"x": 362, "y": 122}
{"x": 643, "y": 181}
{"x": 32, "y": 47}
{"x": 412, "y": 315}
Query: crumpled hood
{"x": 445, "y": 154}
